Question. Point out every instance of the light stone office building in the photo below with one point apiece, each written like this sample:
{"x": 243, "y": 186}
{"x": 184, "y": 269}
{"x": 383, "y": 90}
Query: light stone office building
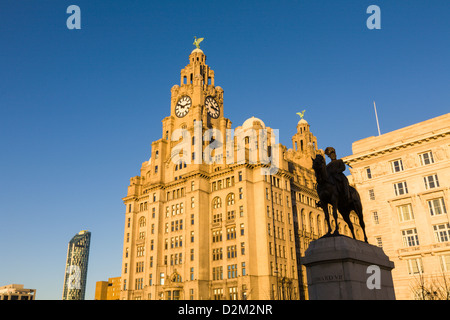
{"x": 403, "y": 178}
{"x": 218, "y": 231}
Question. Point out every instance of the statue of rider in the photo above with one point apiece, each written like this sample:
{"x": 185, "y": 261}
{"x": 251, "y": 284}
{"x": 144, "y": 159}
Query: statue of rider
{"x": 335, "y": 170}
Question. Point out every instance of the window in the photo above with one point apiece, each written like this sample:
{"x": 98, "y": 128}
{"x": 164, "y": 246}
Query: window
{"x": 230, "y": 199}
{"x": 431, "y": 181}
{"x": 217, "y": 203}
{"x": 231, "y": 252}
{"x": 415, "y": 266}
{"x": 379, "y": 242}
{"x": 161, "y": 278}
{"x": 231, "y": 233}
{"x": 371, "y": 194}
{"x": 140, "y": 251}
{"x": 241, "y": 194}
{"x": 368, "y": 172}
{"x": 410, "y": 238}
{"x": 442, "y": 232}
{"x": 400, "y": 188}
{"x": 436, "y": 206}
{"x": 218, "y": 294}
{"x": 232, "y": 291}
{"x": 217, "y": 254}
{"x": 232, "y": 271}
{"x": 140, "y": 266}
{"x": 231, "y": 215}
{"x": 445, "y": 262}
{"x": 240, "y": 176}
{"x": 217, "y": 236}
{"x": 405, "y": 212}
{"x": 218, "y": 274}
{"x": 217, "y": 217}
{"x": 375, "y": 217}
{"x": 192, "y": 202}
{"x": 426, "y": 158}
{"x": 397, "y": 165}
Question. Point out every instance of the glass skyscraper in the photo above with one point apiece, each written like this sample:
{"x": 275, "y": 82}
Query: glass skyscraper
{"x": 76, "y": 266}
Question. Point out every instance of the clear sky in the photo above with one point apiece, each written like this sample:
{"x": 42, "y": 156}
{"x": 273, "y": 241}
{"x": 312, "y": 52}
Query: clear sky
{"x": 80, "y": 108}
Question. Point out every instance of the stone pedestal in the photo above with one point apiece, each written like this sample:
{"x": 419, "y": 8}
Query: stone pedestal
{"x": 341, "y": 268}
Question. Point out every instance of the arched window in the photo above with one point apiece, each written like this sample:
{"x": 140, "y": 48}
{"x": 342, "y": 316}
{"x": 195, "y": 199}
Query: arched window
{"x": 230, "y": 199}
{"x": 142, "y": 222}
{"x": 217, "y": 203}
{"x": 303, "y": 219}
{"x": 319, "y": 225}
{"x": 311, "y": 222}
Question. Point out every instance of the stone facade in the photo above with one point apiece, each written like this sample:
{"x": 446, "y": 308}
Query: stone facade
{"x": 17, "y": 292}
{"x": 403, "y": 178}
{"x": 221, "y": 230}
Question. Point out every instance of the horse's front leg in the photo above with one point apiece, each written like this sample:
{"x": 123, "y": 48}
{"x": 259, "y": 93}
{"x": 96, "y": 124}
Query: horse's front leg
{"x": 327, "y": 216}
{"x": 335, "y": 216}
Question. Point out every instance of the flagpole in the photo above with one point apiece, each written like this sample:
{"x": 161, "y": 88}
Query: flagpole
{"x": 376, "y": 116}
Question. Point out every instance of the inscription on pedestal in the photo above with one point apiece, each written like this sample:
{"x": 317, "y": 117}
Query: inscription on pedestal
{"x": 328, "y": 278}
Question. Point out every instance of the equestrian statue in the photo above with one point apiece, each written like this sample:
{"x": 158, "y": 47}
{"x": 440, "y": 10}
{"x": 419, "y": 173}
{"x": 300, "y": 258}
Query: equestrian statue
{"x": 333, "y": 189}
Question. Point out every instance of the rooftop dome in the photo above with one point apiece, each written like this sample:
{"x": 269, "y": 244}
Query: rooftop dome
{"x": 249, "y": 123}
{"x": 302, "y": 121}
{"x": 197, "y": 50}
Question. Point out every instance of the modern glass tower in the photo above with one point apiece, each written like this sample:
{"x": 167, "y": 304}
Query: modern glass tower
{"x": 76, "y": 266}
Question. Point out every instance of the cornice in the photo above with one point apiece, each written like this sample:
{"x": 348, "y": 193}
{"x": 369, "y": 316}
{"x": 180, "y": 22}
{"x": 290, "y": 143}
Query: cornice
{"x": 401, "y": 145}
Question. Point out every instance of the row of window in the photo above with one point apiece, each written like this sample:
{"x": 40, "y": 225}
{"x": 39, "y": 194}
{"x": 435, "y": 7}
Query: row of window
{"x": 415, "y": 265}
{"x": 405, "y": 212}
{"x": 396, "y": 165}
{"x": 232, "y": 252}
{"x": 401, "y": 188}
{"x": 231, "y": 233}
{"x": 225, "y": 183}
{"x": 441, "y": 232}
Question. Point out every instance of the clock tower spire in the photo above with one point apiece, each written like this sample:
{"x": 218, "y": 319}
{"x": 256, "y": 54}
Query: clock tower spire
{"x": 196, "y": 98}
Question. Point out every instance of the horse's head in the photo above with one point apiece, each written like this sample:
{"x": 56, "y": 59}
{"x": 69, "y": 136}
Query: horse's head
{"x": 318, "y": 162}
{"x": 319, "y": 167}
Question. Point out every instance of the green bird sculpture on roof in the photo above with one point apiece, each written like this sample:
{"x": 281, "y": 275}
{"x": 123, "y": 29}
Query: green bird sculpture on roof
{"x": 197, "y": 42}
{"x": 301, "y": 114}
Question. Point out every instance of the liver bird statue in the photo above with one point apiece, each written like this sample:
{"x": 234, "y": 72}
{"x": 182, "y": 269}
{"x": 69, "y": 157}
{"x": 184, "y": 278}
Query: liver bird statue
{"x": 197, "y": 42}
{"x": 301, "y": 114}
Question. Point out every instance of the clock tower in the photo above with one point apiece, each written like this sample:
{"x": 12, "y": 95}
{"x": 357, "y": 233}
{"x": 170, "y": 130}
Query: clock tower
{"x": 196, "y": 99}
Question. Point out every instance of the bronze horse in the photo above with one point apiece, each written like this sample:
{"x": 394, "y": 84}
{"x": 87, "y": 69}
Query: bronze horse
{"x": 329, "y": 195}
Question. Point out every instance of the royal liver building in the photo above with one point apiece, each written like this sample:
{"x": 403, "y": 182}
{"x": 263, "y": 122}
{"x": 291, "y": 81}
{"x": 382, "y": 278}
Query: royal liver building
{"x": 219, "y": 212}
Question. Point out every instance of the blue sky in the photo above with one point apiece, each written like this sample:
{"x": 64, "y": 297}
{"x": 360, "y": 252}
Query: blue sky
{"x": 80, "y": 108}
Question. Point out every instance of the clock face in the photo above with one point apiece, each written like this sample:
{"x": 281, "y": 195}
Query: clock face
{"x": 182, "y": 107}
{"x": 213, "y": 107}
